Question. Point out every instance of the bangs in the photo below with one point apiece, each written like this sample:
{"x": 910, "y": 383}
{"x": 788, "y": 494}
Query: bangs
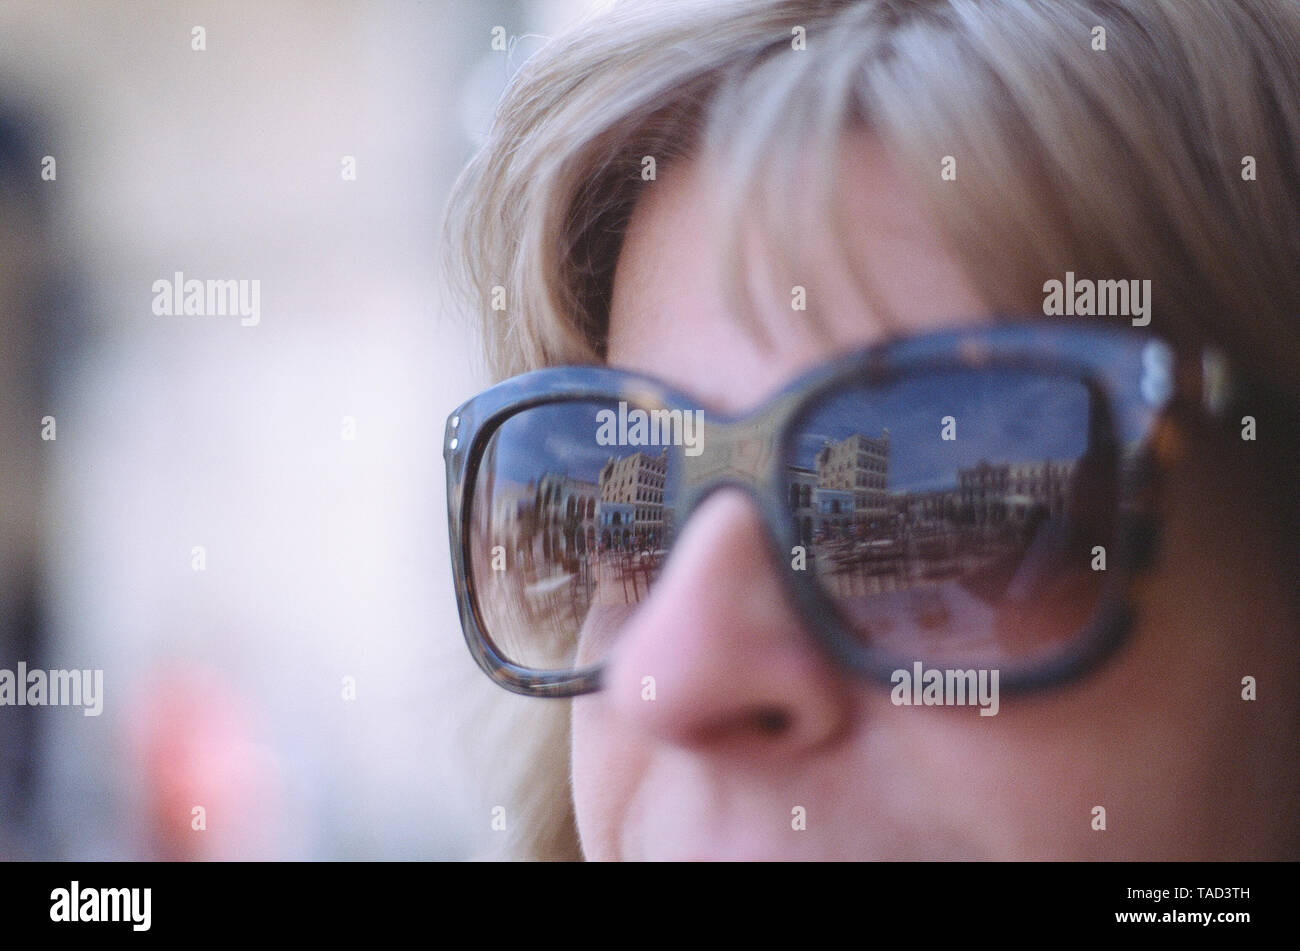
{"x": 776, "y": 138}
{"x": 1116, "y": 159}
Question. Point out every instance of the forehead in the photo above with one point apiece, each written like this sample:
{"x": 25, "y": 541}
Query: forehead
{"x": 886, "y": 273}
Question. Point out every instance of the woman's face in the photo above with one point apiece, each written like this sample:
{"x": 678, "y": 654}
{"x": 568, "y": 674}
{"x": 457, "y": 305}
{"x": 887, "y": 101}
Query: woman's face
{"x": 750, "y": 720}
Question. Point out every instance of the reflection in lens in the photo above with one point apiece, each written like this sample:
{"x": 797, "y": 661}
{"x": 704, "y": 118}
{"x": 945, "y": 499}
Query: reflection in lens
{"x": 570, "y": 521}
{"x": 952, "y": 518}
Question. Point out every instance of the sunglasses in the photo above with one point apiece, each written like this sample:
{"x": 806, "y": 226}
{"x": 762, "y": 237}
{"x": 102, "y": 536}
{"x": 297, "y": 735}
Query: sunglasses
{"x": 972, "y": 498}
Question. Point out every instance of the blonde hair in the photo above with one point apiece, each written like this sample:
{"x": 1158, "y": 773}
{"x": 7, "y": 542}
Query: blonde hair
{"x": 1131, "y": 160}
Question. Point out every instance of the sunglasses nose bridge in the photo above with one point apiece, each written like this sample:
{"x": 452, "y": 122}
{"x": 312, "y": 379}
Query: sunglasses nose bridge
{"x": 740, "y": 452}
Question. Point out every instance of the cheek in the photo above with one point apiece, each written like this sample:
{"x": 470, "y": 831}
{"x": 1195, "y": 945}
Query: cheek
{"x": 1139, "y": 738}
{"x": 606, "y": 770}
{"x": 605, "y": 765}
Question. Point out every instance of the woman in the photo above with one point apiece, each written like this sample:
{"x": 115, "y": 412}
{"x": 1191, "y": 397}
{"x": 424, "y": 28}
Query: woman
{"x": 726, "y": 203}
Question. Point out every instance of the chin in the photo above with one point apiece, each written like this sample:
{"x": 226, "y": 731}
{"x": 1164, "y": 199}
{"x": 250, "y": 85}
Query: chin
{"x": 837, "y": 849}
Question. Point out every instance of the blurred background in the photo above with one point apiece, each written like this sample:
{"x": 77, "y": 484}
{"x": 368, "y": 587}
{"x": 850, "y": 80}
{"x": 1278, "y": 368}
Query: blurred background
{"x": 244, "y": 527}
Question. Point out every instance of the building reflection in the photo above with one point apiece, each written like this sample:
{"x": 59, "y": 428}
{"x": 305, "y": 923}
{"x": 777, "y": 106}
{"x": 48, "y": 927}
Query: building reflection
{"x": 863, "y": 538}
{"x": 551, "y": 549}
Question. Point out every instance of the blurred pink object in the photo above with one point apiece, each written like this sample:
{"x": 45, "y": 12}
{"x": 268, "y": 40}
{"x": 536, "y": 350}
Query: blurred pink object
{"x": 211, "y": 790}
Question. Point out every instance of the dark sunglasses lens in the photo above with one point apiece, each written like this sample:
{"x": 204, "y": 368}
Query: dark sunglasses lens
{"x": 570, "y": 520}
{"x": 962, "y": 517}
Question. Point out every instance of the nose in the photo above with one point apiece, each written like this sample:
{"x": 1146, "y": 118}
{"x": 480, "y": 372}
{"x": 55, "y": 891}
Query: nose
{"x": 734, "y": 672}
